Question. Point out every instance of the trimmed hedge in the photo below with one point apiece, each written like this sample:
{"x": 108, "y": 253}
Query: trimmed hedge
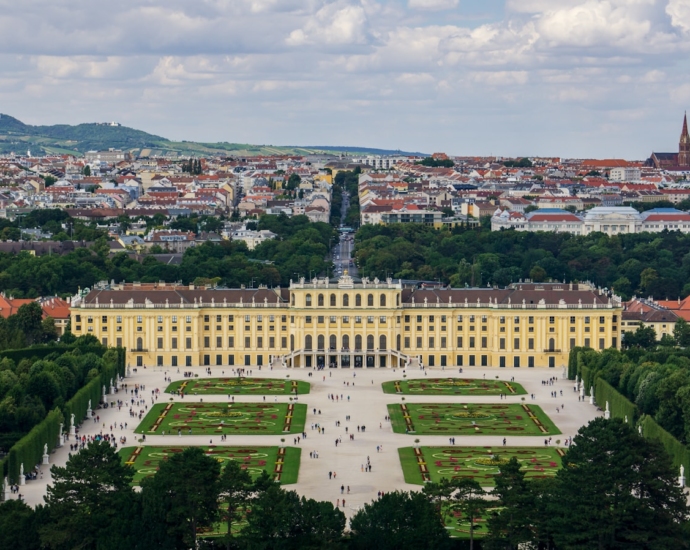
{"x": 93, "y": 390}
{"x": 29, "y": 449}
{"x": 573, "y": 361}
{"x": 619, "y": 406}
{"x": 43, "y": 350}
{"x": 586, "y": 375}
{"x": 679, "y": 452}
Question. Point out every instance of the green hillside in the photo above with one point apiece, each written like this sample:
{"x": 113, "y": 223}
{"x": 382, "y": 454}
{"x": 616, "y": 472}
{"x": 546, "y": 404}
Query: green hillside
{"x": 17, "y": 137}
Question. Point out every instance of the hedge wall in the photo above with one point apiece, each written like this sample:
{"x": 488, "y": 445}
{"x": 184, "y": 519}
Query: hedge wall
{"x": 93, "y": 390}
{"x": 29, "y": 449}
{"x": 679, "y": 452}
{"x": 586, "y": 375}
{"x": 619, "y": 405}
{"x": 42, "y": 351}
{"x": 573, "y": 362}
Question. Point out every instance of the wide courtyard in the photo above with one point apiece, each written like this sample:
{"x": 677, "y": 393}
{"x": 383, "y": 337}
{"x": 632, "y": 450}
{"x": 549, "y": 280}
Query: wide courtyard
{"x": 341, "y": 403}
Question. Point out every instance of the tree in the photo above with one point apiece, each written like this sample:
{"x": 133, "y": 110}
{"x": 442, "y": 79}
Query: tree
{"x": 643, "y": 337}
{"x": 511, "y": 525}
{"x": 617, "y": 490}
{"x": 681, "y": 333}
{"x": 293, "y": 182}
{"x": 398, "y": 521}
{"x": 468, "y": 499}
{"x": 87, "y": 171}
{"x": 18, "y": 526}
{"x": 182, "y": 498}
{"x": 235, "y": 488}
{"x": 28, "y": 319}
{"x": 281, "y": 520}
{"x": 90, "y": 501}
{"x": 537, "y": 274}
{"x": 49, "y": 330}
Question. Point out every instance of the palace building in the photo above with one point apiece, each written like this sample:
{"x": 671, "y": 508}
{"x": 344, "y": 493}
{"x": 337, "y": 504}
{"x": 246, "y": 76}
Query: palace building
{"x": 345, "y": 323}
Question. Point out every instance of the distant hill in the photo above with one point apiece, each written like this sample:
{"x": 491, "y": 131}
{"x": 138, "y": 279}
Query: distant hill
{"x": 17, "y": 137}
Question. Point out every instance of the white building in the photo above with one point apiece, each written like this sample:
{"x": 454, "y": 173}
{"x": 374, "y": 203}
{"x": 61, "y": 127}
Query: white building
{"x": 252, "y": 238}
{"x": 625, "y": 174}
{"x": 615, "y": 220}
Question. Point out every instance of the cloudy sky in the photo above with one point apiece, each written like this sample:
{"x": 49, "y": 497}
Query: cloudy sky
{"x": 507, "y": 77}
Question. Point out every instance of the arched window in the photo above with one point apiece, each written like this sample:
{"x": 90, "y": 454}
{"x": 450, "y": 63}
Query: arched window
{"x": 320, "y": 304}
{"x": 308, "y": 300}
{"x": 382, "y": 300}
{"x": 382, "y": 341}
{"x": 346, "y": 342}
{"x": 346, "y": 300}
{"x": 358, "y": 342}
{"x": 358, "y": 300}
{"x": 307, "y": 342}
{"x": 552, "y": 344}
{"x": 370, "y": 300}
{"x": 140, "y": 344}
{"x": 320, "y": 341}
{"x": 370, "y": 342}
{"x": 292, "y": 299}
{"x": 292, "y": 342}
{"x": 333, "y": 300}
{"x": 397, "y": 299}
{"x": 332, "y": 342}
{"x": 397, "y": 341}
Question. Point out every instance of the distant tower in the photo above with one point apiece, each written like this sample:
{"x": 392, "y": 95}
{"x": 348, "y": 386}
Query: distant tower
{"x": 684, "y": 145}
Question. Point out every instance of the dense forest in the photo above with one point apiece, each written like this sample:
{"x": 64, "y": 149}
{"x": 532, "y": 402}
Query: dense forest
{"x": 300, "y": 247}
{"x": 645, "y": 264}
{"x": 626, "y": 497}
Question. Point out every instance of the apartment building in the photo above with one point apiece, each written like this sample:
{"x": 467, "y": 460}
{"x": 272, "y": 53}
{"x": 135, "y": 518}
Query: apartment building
{"x": 345, "y": 323}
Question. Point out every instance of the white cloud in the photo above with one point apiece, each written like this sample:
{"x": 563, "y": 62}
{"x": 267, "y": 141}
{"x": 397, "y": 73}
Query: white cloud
{"x": 433, "y": 5}
{"x": 386, "y": 72}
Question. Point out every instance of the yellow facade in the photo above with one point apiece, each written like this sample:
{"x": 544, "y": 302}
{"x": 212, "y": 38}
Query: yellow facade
{"x": 345, "y": 324}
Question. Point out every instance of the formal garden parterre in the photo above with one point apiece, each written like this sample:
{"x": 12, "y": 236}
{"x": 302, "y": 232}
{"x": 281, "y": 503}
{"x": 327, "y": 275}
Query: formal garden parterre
{"x": 422, "y": 464}
{"x": 470, "y": 418}
{"x": 281, "y": 463}
{"x": 453, "y": 386}
{"x": 198, "y": 418}
{"x": 238, "y": 386}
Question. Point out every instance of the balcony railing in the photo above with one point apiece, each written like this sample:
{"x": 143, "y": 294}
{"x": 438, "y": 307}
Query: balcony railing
{"x": 551, "y": 350}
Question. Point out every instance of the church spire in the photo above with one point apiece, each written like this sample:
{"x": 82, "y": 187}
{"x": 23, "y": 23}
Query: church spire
{"x": 684, "y": 145}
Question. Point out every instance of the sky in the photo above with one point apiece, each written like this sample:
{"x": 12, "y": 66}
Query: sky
{"x": 570, "y": 78}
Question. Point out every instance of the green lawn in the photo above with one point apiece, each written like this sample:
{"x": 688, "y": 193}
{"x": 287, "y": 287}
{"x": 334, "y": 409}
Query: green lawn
{"x": 282, "y": 465}
{"x": 224, "y": 418}
{"x": 238, "y": 386}
{"x": 470, "y": 418}
{"x": 478, "y": 463}
{"x": 453, "y": 386}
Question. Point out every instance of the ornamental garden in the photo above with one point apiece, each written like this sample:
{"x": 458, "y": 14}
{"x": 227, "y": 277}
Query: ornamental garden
{"x": 470, "y": 418}
{"x": 453, "y": 386}
{"x": 238, "y": 386}
{"x": 422, "y": 464}
{"x": 281, "y": 463}
{"x": 224, "y": 419}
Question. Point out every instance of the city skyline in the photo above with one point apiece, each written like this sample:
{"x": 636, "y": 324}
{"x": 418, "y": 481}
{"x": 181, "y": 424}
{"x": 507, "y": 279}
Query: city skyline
{"x": 570, "y": 78}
